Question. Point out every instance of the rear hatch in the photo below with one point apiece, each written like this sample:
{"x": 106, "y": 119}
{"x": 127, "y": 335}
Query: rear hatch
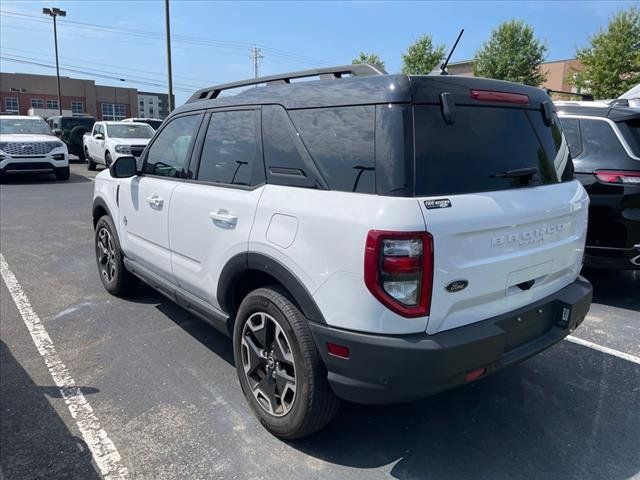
{"x": 493, "y": 177}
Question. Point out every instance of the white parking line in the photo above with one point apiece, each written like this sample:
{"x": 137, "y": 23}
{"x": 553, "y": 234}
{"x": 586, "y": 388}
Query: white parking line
{"x": 601, "y": 348}
{"x": 102, "y": 448}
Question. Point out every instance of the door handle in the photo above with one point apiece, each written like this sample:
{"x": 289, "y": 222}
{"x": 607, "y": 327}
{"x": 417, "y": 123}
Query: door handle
{"x": 223, "y": 218}
{"x": 155, "y": 201}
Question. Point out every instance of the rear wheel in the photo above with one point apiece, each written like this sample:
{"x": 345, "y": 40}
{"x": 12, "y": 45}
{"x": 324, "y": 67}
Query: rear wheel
{"x": 62, "y": 173}
{"x": 113, "y": 273}
{"x": 280, "y": 371}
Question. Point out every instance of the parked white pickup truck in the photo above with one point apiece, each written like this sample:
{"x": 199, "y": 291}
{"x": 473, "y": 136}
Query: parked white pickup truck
{"x": 111, "y": 140}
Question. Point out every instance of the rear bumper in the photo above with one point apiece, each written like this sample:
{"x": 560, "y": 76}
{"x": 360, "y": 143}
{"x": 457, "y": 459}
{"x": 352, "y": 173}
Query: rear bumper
{"x": 397, "y": 368}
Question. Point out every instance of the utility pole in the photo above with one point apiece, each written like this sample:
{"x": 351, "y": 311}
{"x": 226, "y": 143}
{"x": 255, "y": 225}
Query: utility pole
{"x": 168, "y": 29}
{"x": 55, "y": 12}
{"x": 256, "y": 56}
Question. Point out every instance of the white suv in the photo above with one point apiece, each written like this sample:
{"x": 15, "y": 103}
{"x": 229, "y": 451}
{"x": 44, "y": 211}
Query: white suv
{"x": 376, "y": 238}
{"x": 27, "y": 145}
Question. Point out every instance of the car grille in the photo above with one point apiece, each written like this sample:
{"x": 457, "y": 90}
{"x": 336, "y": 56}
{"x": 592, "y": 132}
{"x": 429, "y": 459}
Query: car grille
{"x": 136, "y": 150}
{"x": 15, "y": 167}
{"x": 29, "y": 149}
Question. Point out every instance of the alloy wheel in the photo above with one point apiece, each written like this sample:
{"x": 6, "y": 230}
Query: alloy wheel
{"x": 106, "y": 254}
{"x": 268, "y": 363}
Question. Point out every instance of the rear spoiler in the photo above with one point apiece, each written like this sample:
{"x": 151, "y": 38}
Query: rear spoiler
{"x": 587, "y": 97}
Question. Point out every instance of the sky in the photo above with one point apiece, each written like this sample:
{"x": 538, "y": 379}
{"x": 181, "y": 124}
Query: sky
{"x": 212, "y": 41}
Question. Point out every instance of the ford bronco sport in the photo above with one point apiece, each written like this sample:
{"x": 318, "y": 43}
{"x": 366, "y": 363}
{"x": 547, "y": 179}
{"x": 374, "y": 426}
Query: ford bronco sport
{"x": 371, "y": 237}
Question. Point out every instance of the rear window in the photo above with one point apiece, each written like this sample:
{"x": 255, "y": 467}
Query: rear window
{"x": 476, "y": 153}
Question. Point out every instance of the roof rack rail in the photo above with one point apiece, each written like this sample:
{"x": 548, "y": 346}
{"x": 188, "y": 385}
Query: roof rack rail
{"x": 357, "y": 70}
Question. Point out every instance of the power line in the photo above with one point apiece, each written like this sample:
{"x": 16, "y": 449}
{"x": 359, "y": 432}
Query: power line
{"x": 187, "y": 39}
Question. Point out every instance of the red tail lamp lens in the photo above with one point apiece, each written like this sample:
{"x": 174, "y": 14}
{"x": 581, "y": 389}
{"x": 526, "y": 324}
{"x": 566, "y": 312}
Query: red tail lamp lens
{"x": 475, "y": 374}
{"x": 618, "y": 176}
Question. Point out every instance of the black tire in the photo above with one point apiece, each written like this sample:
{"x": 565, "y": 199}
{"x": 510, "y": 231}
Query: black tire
{"x": 119, "y": 281}
{"x": 76, "y": 136}
{"x": 107, "y": 159}
{"x": 91, "y": 165}
{"x": 62, "y": 173}
{"x": 314, "y": 404}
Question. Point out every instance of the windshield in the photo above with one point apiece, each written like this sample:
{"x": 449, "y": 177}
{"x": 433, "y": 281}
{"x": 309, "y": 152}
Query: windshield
{"x": 71, "y": 123}
{"x": 130, "y": 131}
{"x": 24, "y": 126}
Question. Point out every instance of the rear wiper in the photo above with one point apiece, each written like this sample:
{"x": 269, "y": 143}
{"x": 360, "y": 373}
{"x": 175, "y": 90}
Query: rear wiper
{"x": 516, "y": 173}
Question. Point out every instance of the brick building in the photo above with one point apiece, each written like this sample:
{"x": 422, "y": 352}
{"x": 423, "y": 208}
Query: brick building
{"x": 22, "y": 92}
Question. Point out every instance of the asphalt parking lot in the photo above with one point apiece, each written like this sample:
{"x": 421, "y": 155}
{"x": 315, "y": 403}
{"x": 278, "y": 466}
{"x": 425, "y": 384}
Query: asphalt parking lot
{"x": 163, "y": 386}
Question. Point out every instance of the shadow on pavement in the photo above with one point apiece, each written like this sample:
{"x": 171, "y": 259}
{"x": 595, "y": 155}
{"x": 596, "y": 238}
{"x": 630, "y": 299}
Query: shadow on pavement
{"x": 43, "y": 178}
{"x": 36, "y": 443}
{"x": 616, "y": 288}
{"x": 535, "y": 420}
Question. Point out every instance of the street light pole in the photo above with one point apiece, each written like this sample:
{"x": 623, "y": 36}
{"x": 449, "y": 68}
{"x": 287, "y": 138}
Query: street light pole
{"x": 54, "y": 12}
{"x": 168, "y": 31}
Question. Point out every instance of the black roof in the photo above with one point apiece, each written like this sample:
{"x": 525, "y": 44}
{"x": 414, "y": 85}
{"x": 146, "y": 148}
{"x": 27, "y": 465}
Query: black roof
{"x": 374, "y": 88}
{"x": 616, "y": 113}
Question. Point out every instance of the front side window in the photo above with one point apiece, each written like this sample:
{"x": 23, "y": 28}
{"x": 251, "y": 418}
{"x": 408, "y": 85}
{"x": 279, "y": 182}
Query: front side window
{"x": 11, "y": 105}
{"x": 169, "y": 153}
{"x": 52, "y": 104}
{"x": 341, "y": 141}
{"x": 37, "y": 103}
{"x": 230, "y": 150}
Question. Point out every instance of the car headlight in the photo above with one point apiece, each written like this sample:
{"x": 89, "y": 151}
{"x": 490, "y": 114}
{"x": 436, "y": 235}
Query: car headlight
{"x": 123, "y": 148}
{"x": 52, "y": 145}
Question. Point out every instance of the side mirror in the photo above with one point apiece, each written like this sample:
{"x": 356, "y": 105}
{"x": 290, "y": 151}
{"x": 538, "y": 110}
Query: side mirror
{"x": 98, "y": 136}
{"x": 124, "y": 167}
{"x": 57, "y": 132}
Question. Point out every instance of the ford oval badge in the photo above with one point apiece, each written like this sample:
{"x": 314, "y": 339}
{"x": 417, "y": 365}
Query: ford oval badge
{"x": 456, "y": 286}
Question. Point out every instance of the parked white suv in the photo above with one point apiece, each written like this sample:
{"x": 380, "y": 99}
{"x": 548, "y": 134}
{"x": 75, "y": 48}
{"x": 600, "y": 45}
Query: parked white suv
{"x": 108, "y": 141}
{"x": 27, "y": 145}
{"x": 376, "y": 238}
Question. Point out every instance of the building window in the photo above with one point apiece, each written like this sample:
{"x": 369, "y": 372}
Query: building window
{"x": 37, "y": 103}
{"x": 151, "y": 111}
{"x": 77, "y": 108}
{"x": 11, "y": 105}
{"x": 142, "y": 103}
{"x": 52, "y": 104}
{"x": 113, "y": 111}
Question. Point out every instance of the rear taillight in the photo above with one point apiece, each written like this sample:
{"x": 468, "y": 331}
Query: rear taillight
{"x": 398, "y": 270}
{"x": 620, "y": 177}
{"x": 491, "y": 96}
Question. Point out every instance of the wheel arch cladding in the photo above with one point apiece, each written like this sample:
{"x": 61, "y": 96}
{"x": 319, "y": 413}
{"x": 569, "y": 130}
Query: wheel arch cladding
{"x": 99, "y": 209}
{"x": 245, "y": 272}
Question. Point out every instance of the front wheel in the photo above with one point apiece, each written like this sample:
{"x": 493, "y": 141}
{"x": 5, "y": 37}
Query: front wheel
{"x": 91, "y": 165}
{"x": 279, "y": 368}
{"x": 114, "y": 275}
{"x": 107, "y": 159}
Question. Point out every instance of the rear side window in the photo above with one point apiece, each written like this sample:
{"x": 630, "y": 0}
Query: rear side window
{"x": 571, "y": 128}
{"x": 341, "y": 142}
{"x": 285, "y": 160}
{"x": 477, "y": 152}
{"x": 169, "y": 154}
{"x": 230, "y": 151}
{"x": 631, "y": 133}
{"x": 600, "y": 140}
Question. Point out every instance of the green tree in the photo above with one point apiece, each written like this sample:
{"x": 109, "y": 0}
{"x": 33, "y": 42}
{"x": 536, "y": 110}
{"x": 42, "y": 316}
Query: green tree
{"x": 370, "y": 58}
{"x": 422, "y": 56}
{"x": 611, "y": 64}
{"x": 512, "y": 53}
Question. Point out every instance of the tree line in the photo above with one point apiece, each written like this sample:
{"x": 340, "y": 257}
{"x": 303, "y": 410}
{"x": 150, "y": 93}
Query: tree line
{"x": 610, "y": 62}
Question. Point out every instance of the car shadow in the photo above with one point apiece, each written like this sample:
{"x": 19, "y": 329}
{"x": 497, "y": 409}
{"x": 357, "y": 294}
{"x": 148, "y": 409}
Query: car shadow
{"x": 535, "y": 420}
{"x": 616, "y": 288}
{"x": 42, "y": 178}
{"x": 36, "y": 442}
{"x": 206, "y": 334}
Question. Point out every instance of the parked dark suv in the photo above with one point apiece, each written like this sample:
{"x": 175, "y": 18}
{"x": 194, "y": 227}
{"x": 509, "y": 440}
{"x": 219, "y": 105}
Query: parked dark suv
{"x": 604, "y": 140}
{"x": 71, "y": 130}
